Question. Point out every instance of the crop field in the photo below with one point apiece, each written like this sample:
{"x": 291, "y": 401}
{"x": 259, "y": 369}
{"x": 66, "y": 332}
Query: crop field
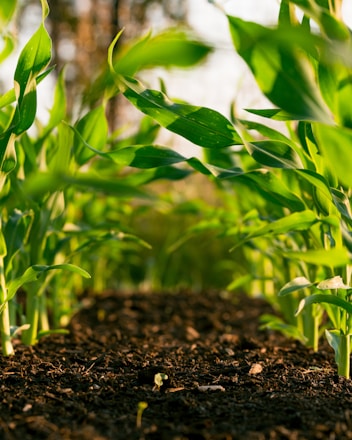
{"x": 149, "y": 294}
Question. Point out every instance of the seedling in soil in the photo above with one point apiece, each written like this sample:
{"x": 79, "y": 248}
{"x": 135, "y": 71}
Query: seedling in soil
{"x": 338, "y": 306}
{"x": 140, "y": 409}
{"x": 159, "y": 380}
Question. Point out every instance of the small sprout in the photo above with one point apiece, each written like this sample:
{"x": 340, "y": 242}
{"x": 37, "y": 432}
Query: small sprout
{"x": 140, "y": 409}
{"x": 159, "y": 380}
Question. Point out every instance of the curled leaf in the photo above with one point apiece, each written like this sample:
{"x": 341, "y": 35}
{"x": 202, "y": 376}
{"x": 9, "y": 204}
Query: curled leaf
{"x": 333, "y": 283}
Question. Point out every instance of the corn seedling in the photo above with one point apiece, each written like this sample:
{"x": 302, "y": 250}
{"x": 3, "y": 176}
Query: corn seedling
{"x": 339, "y": 309}
{"x": 142, "y": 406}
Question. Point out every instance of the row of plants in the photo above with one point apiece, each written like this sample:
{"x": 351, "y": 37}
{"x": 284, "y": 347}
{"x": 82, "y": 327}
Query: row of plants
{"x": 291, "y": 187}
{"x": 283, "y": 195}
{"x": 67, "y": 196}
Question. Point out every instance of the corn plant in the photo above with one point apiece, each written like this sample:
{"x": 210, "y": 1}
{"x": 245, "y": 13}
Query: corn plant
{"x": 304, "y": 218}
{"x": 22, "y": 221}
{"x": 64, "y": 187}
{"x": 339, "y": 309}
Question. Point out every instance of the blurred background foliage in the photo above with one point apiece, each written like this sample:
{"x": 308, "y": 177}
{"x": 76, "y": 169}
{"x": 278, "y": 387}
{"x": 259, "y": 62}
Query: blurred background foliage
{"x": 81, "y": 32}
{"x": 185, "y": 250}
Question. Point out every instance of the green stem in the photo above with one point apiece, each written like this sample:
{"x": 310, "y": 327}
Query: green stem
{"x": 343, "y": 367}
{"x": 6, "y": 344}
{"x": 43, "y": 313}
{"x": 29, "y": 336}
{"x": 311, "y": 327}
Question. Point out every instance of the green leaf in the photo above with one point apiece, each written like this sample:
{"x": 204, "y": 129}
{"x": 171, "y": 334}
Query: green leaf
{"x": 321, "y": 257}
{"x": 90, "y": 181}
{"x": 320, "y": 191}
{"x": 200, "y": 125}
{"x": 62, "y": 155}
{"x": 111, "y": 236}
{"x": 55, "y": 331}
{"x": 93, "y": 128}
{"x": 334, "y": 338}
{"x": 7, "y": 9}
{"x": 330, "y": 25}
{"x": 335, "y": 144}
{"x": 26, "y": 109}
{"x": 298, "y": 221}
{"x": 239, "y": 282}
{"x": 280, "y": 62}
{"x": 275, "y": 323}
{"x": 170, "y": 48}
{"x": 16, "y": 232}
{"x": 34, "y": 57}
{"x": 342, "y": 203}
{"x": 8, "y": 45}
{"x": 58, "y": 109}
{"x": 319, "y": 298}
{"x": 274, "y": 154}
{"x": 3, "y": 248}
{"x": 273, "y": 189}
{"x": 295, "y": 285}
{"x": 10, "y": 96}
{"x": 34, "y": 272}
{"x": 275, "y": 114}
{"x": 145, "y": 156}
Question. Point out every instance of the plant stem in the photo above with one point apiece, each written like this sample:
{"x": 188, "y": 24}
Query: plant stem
{"x": 29, "y": 336}
{"x": 335, "y": 7}
{"x": 310, "y": 325}
{"x": 344, "y": 356}
{"x": 6, "y": 344}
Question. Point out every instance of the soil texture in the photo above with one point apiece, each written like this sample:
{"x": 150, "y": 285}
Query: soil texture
{"x": 226, "y": 379}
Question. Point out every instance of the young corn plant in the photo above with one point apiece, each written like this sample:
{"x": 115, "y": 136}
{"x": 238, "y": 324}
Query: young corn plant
{"x": 22, "y": 220}
{"x": 63, "y": 190}
{"x": 337, "y": 303}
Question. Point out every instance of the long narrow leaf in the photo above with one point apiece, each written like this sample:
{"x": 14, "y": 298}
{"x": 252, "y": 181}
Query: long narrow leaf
{"x": 200, "y": 125}
{"x": 274, "y": 154}
{"x": 331, "y": 258}
{"x": 335, "y": 144}
{"x": 295, "y": 285}
{"x": 281, "y": 67}
{"x": 319, "y": 298}
{"x": 298, "y": 221}
{"x": 34, "y": 272}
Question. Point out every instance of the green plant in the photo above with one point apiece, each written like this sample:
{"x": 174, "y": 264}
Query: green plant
{"x": 159, "y": 380}
{"x": 339, "y": 308}
{"x": 57, "y": 180}
{"x": 301, "y": 224}
{"x": 142, "y": 406}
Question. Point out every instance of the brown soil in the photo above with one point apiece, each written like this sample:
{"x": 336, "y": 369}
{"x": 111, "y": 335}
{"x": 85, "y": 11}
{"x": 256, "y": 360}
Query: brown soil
{"x": 88, "y": 384}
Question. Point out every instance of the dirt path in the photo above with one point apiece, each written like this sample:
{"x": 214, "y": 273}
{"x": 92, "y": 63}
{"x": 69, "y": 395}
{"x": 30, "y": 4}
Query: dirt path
{"x": 88, "y": 385}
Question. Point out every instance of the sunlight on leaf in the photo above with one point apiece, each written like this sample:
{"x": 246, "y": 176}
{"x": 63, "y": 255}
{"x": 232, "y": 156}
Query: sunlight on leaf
{"x": 279, "y": 61}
